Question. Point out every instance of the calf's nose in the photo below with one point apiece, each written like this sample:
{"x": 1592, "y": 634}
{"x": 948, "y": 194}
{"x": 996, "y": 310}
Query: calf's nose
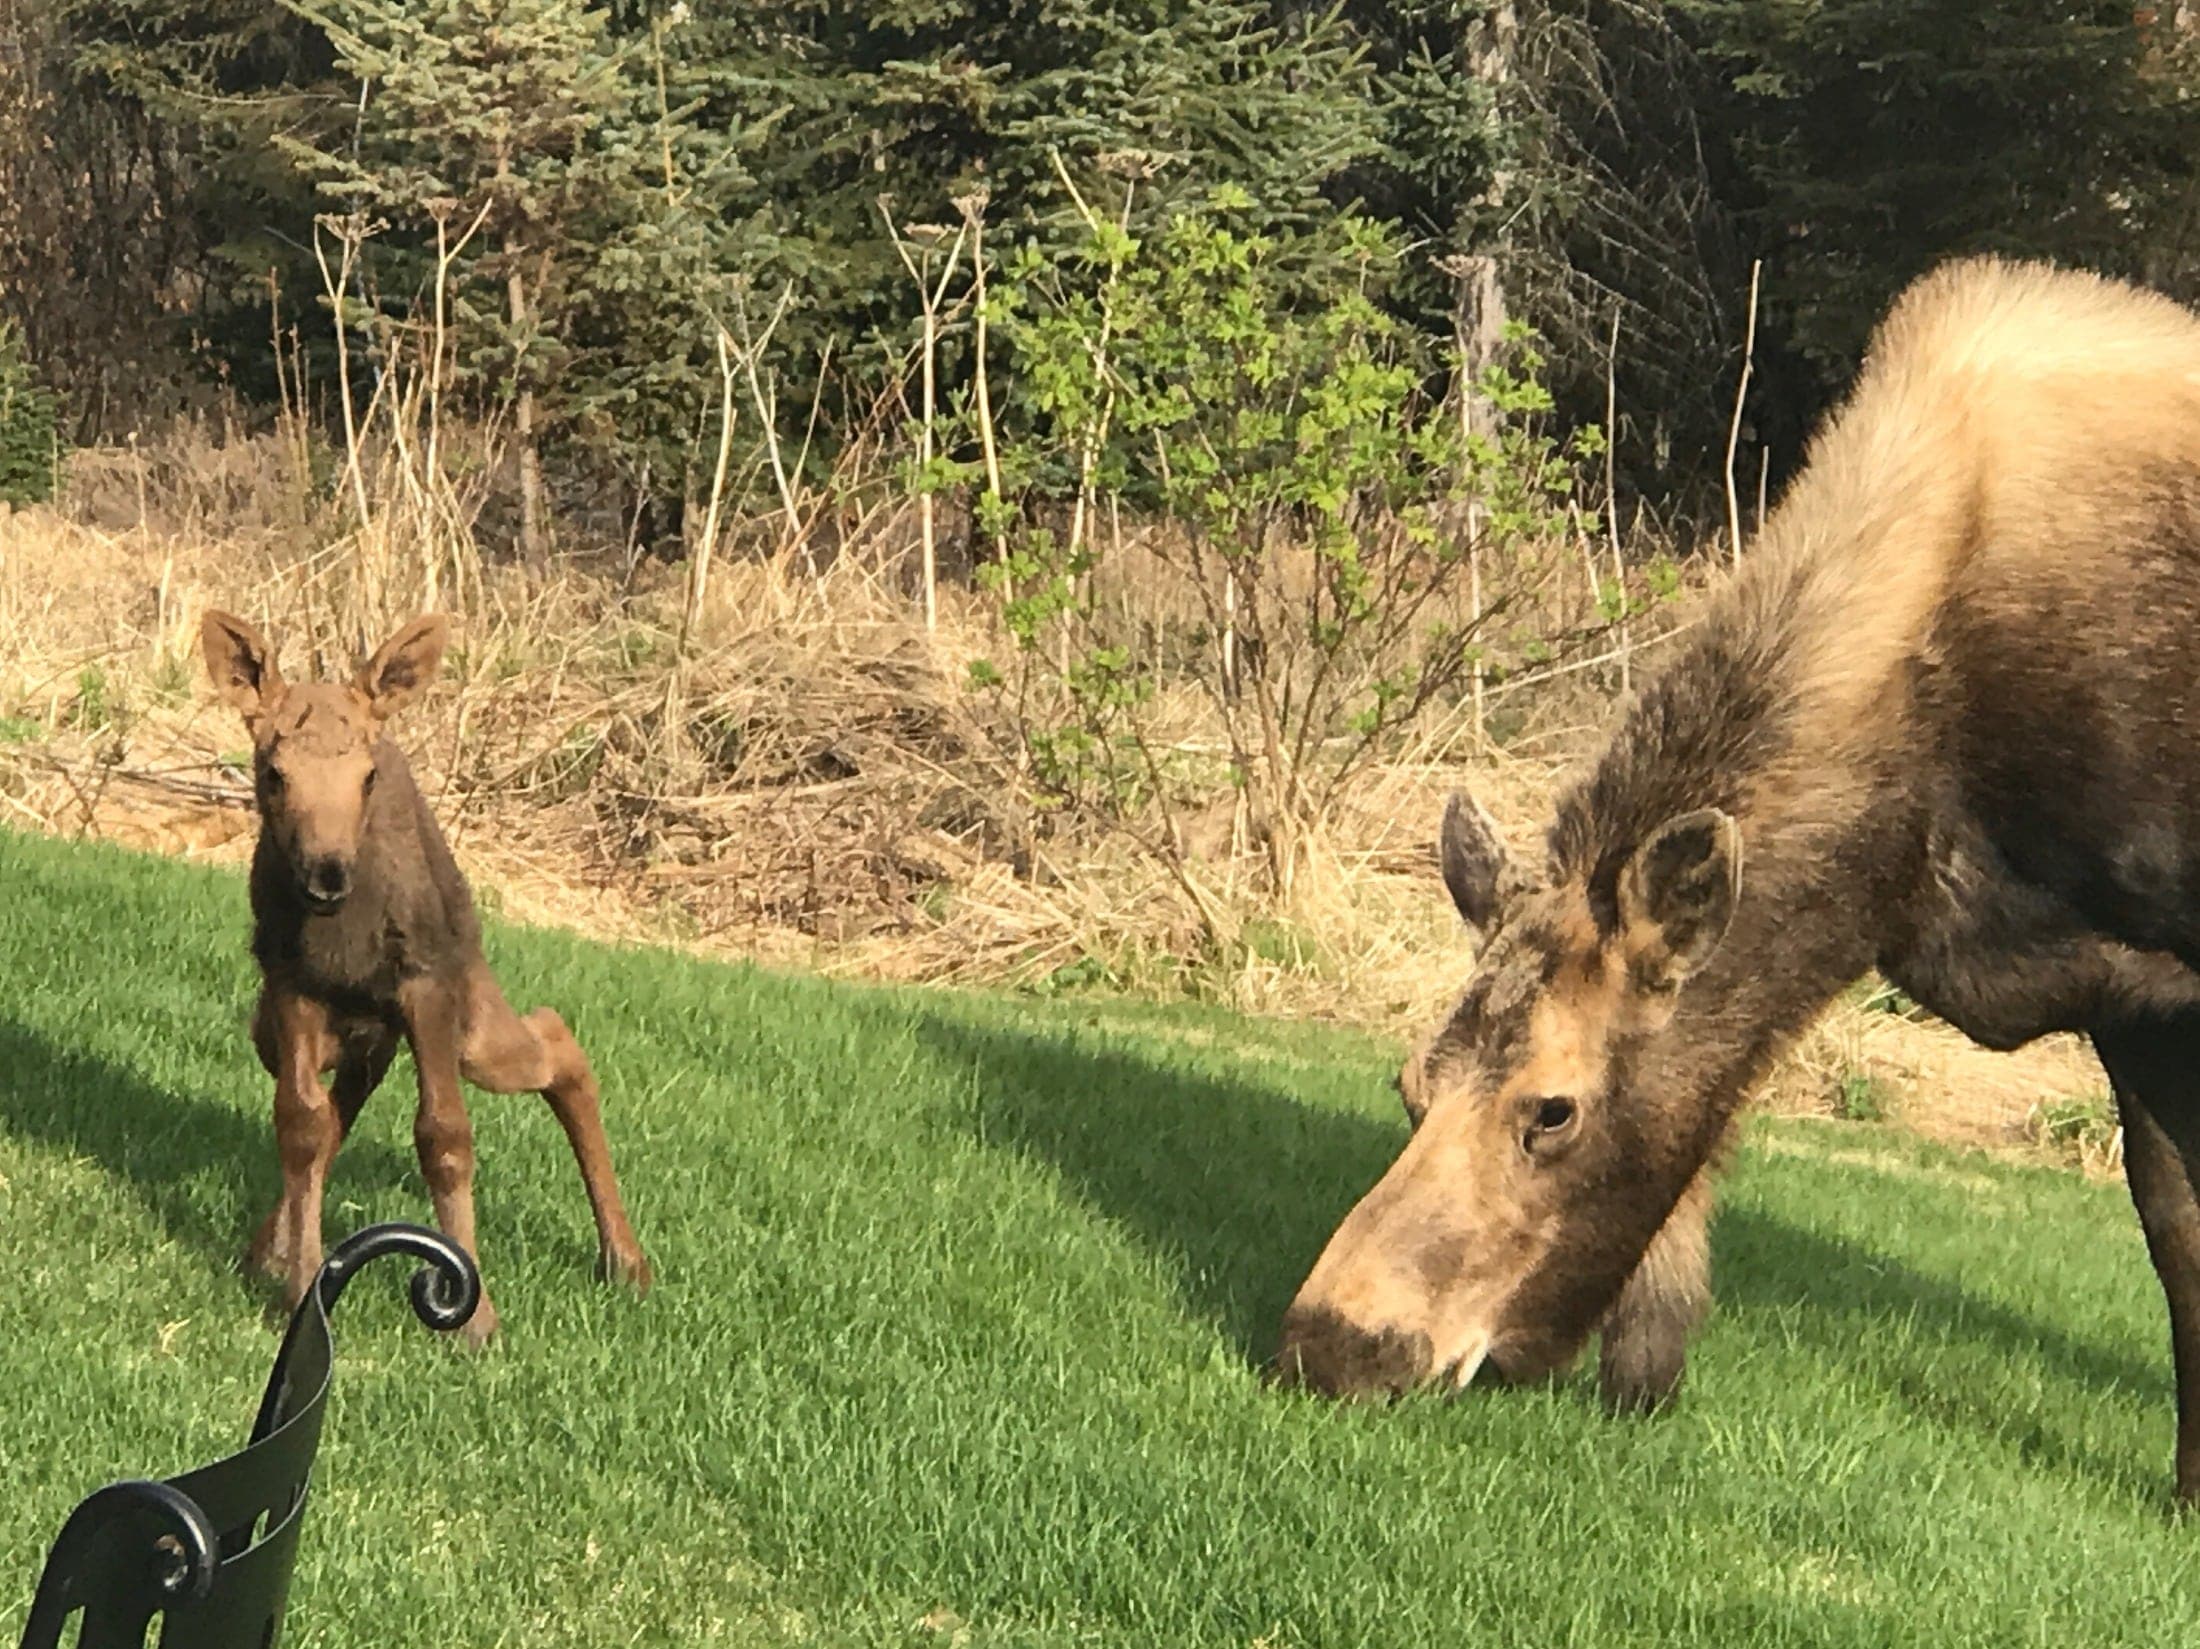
{"x": 328, "y": 881}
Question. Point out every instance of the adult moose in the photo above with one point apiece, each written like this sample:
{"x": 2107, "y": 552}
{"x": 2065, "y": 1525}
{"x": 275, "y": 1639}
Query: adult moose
{"x": 1944, "y": 723}
{"x": 365, "y": 932}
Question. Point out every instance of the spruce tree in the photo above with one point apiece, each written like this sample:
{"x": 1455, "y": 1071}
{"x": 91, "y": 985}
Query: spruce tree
{"x": 583, "y": 214}
{"x": 1872, "y": 138}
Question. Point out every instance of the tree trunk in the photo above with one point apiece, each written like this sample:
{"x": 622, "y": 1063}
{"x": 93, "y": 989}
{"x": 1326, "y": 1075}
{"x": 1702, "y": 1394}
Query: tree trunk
{"x": 1480, "y": 328}
{"x": 534, "y": 549}
{"x": 2163, "y": 264}
{"x": 1480, "y": 319}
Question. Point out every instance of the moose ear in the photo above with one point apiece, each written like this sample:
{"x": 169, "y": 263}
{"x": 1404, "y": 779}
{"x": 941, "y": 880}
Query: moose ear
{"x": 1476, "y": 868}
{"x": 404, "y": 665}
{"x": 1677, "y": 895}
{"x": 241, "y": 663}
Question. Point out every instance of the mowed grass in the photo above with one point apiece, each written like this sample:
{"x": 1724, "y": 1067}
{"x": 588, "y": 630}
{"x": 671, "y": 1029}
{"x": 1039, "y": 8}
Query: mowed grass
{"x": 954, "y": 1340}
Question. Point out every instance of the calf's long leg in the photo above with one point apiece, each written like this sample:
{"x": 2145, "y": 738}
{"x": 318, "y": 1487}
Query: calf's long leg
{"x": 1645, "y": 1337}
{"x": 2156, "y": 1073}
{"x": 294, "y": 1039}
{"x": 443, "y": 1133}
{"x": 510, "y": 1053}
{"x": 360, "y": 1063}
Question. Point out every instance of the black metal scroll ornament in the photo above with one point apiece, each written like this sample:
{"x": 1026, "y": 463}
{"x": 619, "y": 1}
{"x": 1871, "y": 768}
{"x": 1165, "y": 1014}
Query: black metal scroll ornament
{"x": 212, "y": 1551}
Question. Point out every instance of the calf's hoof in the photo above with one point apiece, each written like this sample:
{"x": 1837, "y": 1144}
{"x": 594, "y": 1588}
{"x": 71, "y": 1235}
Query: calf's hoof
{"x": 628, "y": 1266}
{"x": 479, "y": 1329}
{"x": 263, "y": 1256}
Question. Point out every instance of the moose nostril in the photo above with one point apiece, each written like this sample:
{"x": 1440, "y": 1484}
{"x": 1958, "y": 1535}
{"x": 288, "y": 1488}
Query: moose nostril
{"x": 1326, "y": 1352}
{"x": 329, "y": 879}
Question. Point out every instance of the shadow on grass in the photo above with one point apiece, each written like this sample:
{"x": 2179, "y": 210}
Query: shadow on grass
{"x": 1238, "y": 1185}
{"x": 1829, "y": 1286}
{"x": 199, "y": 1167}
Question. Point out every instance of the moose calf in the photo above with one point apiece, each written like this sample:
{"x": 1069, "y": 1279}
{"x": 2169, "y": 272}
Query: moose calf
{"x": 364, "y": 929}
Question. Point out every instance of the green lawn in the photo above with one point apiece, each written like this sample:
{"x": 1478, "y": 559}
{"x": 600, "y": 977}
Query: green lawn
{"x": 958, "y": 1300}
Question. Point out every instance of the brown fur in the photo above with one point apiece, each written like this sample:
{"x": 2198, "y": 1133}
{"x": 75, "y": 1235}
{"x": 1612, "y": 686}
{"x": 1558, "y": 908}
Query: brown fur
{"x": 1941, "y": 723}
{"x": 365, "y": 932}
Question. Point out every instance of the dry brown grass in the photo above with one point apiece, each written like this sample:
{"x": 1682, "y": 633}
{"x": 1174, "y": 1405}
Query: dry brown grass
{"x": 812, "y": 783}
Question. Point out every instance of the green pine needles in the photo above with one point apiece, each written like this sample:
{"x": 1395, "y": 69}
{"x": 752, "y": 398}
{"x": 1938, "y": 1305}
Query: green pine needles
{"x": 30, "y": 431}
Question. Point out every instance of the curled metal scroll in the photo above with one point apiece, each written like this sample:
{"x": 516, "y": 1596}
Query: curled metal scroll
{"x": 190, "y": 1578}
{"x": 445, "y": 1290}
{"x": 195, "y": 1547}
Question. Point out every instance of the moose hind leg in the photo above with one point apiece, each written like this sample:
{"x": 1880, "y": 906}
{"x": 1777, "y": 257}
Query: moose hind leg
{"x": 2158, "y": 1101}
{"x": 1646, "y": 1334}
{"x": 511, "y": 1053}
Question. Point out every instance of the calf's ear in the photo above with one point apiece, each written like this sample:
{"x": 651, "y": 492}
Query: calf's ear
{"x": 403, "y": 666}
{"x": 241, "y": 664}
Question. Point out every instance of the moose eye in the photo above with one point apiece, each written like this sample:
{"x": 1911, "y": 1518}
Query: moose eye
{"x": 1546, "y": 1126}
{"x": 367, "y": 789}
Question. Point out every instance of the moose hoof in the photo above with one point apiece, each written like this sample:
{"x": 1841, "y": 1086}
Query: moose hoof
{"x": 478, "y": 1330}
{"x": 1638, "y": 1378}
{"x": 630, "y": 1268}
{"x": 263, "y": 1257}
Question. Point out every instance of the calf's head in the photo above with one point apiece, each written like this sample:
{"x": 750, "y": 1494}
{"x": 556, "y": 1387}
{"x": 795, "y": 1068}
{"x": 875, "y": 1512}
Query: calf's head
{"x": 313, "y": 744}
{"x": 1543, "y": 1156}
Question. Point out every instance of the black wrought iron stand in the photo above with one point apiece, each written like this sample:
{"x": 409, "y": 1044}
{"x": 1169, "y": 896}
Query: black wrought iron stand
{"x": 212, "y": 1551}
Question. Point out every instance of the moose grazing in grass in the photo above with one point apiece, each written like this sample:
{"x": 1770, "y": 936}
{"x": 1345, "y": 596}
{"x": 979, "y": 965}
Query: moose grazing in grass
{"x": 1946, "y": 722}
{"x": 365, "y": 931}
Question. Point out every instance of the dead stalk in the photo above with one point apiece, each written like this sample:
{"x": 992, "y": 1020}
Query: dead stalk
{"x": 973, "y": 207}
{"x": 930, "y": 294}
{"x": 336, "y": 285}
{"x": 1088, "y": 457}
{"x": 440, "y": 347}
{"x": 1611, "y": 497}
{"x": 1588, "y": 564}
{"x": 691, "y": 617}
{"x": 766, "y": 403}
{"x": 1741, "y": 396}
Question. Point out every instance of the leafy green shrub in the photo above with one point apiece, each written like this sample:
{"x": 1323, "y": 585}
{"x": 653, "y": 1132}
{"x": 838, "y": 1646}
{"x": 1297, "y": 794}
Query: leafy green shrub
{"x": 94, "y": 709}
{"x": 1861, "y": 1097}
{"x": 2081, "y": 1127}
{"x": 29, "y": 426}
{"x": 1320, "y": 501}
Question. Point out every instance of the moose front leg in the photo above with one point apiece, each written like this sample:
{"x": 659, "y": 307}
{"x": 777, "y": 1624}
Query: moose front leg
{"x": 293, "y": 1038}
{"x": 359, "y": 1057}
{"x": 1647, "y": 1331}
{"x": 2158, "y": 1101}
{"x": 443, "y": 1134}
